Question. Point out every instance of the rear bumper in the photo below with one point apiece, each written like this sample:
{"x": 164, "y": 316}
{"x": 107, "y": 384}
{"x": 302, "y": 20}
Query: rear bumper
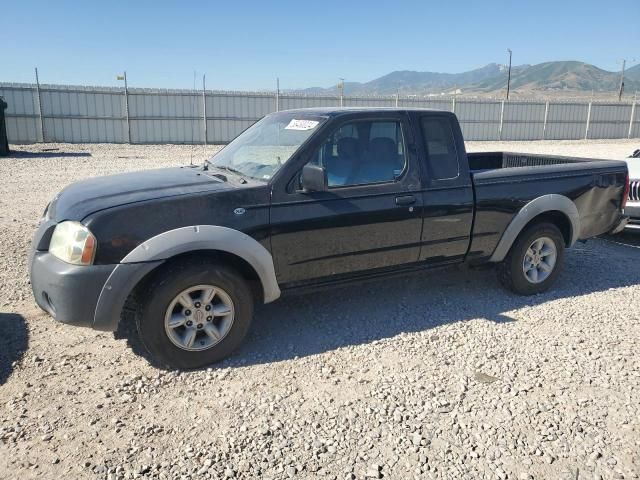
{"x": 633, "y": 211}
{"x": 69, "y": 293}
{"x": 619, "y": 225}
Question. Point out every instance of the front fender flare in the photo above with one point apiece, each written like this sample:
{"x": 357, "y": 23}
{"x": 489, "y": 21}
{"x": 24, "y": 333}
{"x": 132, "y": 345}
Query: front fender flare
{"x": 154, "y": 251}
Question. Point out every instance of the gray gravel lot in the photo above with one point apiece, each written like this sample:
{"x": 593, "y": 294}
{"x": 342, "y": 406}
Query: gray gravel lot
{"x": 437, "y": 375}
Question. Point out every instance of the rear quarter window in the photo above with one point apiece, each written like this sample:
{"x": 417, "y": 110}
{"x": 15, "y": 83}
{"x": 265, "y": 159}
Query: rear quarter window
{"x": 440, "y": 145}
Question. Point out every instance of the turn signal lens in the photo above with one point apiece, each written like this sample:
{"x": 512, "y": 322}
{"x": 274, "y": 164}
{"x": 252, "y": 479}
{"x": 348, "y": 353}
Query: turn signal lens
{"x": 73, "y": 243}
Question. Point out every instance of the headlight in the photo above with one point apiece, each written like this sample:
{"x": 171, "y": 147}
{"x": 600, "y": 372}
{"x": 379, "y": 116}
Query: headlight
{"x": 73, "y": 243}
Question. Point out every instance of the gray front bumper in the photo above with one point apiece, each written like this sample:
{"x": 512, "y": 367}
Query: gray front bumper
{"x": 88, "y": 296}
{"x": 69, "y": 293}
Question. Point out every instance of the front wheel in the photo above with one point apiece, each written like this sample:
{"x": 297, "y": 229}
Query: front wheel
{"x": 534, "y": 261}
{"x": 194, "y": 314}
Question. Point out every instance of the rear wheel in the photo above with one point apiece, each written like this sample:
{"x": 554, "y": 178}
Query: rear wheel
{"x": 194, "y": 314}
{"x": 534, "y": 261}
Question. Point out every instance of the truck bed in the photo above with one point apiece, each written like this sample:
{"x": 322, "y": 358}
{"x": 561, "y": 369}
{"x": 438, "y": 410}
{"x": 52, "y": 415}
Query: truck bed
{"x": 504, "y": 182}
{"x": 489, "y": 167}
{"x": 483, "y": 161}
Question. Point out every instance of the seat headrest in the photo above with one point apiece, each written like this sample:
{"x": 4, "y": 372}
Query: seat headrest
{"x": 347, "y": 147}
{"x": 383, "y": 147}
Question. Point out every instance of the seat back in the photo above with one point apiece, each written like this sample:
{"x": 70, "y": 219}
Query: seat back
{"x": 381, "y": 162}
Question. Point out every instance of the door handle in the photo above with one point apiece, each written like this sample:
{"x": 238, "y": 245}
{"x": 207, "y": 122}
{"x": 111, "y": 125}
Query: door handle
{"x": 405, "y": 200}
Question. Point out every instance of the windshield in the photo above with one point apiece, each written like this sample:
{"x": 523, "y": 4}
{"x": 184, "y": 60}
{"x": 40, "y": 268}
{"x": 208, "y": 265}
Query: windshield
{"x": 263, "y": 148}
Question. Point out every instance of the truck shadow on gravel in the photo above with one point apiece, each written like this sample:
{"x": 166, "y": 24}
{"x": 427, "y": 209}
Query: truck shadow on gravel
{"x": 14, "y": 340}
{"x": 314, "y": 323}
{"x": 306, "y": 324}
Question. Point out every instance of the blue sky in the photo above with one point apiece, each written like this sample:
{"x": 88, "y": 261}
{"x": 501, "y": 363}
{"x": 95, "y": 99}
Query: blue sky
{"x": 247, "y": 44}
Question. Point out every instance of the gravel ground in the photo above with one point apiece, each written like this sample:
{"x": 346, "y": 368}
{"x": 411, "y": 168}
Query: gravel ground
{"x": 437, "y": 375}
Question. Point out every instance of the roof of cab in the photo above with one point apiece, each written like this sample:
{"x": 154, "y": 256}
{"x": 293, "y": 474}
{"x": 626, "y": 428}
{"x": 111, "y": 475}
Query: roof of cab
{"x": 334, "y": 111}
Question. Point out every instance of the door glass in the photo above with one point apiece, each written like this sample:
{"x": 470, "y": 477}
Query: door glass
{"x": 441, "y": 148}
{"x": 361, "y": 153}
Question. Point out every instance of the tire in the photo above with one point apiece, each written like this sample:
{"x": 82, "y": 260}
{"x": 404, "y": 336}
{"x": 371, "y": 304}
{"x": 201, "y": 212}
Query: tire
{"x": 511, "y": 271}
{"x": 165, "y": 342}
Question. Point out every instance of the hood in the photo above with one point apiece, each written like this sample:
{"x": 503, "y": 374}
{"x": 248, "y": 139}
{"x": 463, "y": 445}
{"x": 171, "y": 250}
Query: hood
{"x": 80, "y": 199}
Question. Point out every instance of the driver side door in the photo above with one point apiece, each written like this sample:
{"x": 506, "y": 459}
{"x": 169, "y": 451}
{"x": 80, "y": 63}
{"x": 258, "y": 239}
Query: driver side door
{"x": 369, "y": 218}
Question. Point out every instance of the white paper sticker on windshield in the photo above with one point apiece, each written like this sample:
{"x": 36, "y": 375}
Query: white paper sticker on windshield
{"x": 301, "y": 124}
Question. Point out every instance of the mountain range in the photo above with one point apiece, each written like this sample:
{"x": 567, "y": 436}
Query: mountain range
{"x": 548, "y": 77}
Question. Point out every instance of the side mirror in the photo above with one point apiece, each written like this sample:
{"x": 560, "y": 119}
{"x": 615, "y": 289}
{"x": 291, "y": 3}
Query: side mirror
{"x": 314, "y": 178}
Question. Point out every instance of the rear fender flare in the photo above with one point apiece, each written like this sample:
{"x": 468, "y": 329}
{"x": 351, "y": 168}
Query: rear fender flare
{"x": 537, "y": 206}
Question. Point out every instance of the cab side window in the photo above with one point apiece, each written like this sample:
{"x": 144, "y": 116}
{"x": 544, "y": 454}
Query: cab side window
{"x": 442, "y": 155}
{"x": 363, "y": 152}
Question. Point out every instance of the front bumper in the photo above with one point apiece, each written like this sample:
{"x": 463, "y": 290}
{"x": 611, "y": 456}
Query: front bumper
{"x": 83, "y": 295}
{"x": 69, "y": 293}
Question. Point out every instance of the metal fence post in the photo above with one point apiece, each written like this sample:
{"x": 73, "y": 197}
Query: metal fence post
{"x": 41, "y": 122}
{"x": 586, "y": 130}
{"x": 397, "y": 95}
{"x": 501, "y": 120}
{"x": 633, "y": 114}
{"x": 126, "y": 107}
{"x": 453, "y": 105}
{"x": 277, "y": 94}
{"x": 546, "y": 116}
{"x": 204, "y": 108}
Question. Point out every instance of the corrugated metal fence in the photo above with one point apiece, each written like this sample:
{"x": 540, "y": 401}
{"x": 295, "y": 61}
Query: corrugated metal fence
{"x": 55, "y": 113}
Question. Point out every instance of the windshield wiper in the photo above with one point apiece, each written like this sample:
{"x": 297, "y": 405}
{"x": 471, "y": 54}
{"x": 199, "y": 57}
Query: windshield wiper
{"x": 220, "y": 176}
{"x": 205, "y": 168}
{"x": 230, "y": 169}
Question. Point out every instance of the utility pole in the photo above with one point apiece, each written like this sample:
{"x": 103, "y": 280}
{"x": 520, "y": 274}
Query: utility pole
{"x": 633, "y": 114}
{"x": 204, "y": 107}
{"x": 621, "y": 91}
{"x": 39, "y": 95}
{"x": 126, "y": 104}
{"x": 509, "y": 74}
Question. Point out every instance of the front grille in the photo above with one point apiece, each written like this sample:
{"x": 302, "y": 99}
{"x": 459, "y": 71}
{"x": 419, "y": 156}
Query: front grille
{"x": 634, "y": 191}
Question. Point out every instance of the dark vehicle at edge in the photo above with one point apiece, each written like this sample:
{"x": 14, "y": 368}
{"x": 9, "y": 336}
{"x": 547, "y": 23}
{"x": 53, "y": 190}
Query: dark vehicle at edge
{"x": 306, "y": 198}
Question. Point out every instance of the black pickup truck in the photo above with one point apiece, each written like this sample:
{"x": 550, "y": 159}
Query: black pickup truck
{"x": 307, "y": 198}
